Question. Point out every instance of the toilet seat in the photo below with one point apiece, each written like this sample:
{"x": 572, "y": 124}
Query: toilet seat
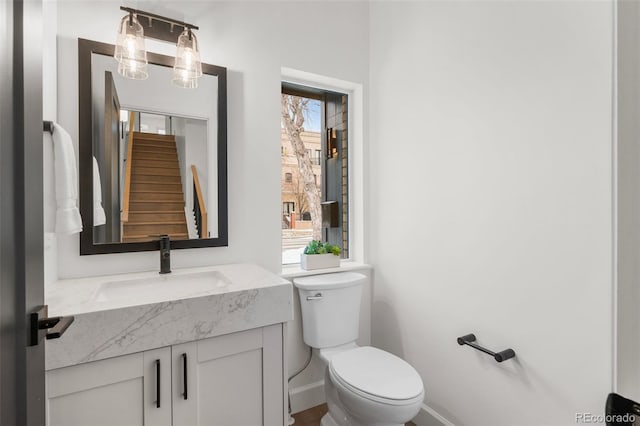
{"x": 377, "y": 376}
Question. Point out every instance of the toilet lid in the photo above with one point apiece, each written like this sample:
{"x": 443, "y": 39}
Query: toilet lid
{"x": 378, "y": 373}
{"x": 330, "y": 281}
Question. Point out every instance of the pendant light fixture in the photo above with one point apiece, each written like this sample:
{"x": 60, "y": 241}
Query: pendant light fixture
{"x": 130, "y": 50}
{"x": 187, "y": 68}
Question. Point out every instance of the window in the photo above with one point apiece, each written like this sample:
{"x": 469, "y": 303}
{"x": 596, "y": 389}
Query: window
{"x": 323, "y": 130}
{"x": 288, "y": 207}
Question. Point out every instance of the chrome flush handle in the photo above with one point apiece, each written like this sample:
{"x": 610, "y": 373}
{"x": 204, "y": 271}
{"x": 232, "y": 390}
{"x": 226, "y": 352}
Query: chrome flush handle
{"x": 317, "y": 296}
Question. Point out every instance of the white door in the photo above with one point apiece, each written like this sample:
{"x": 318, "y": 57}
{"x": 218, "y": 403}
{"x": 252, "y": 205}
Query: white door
{"x": 118, "y": 391}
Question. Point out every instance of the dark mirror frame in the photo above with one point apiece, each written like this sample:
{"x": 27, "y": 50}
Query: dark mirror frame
{"x": 85, "y": 147}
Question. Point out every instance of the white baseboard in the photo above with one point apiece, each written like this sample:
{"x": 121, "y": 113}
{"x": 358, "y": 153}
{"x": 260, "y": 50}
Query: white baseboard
{"x": 430, "y": 417}
{"x": 307, "y": 396}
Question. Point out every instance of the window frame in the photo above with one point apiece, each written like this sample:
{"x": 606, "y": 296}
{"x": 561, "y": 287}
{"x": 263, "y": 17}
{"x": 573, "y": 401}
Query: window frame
{"x": 356, "y": 121}
{"x": 312, "y": 92}
{"x": 291, "y": 204}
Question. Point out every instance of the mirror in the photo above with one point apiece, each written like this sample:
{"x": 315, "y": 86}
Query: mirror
{"x": 152, "y": 156}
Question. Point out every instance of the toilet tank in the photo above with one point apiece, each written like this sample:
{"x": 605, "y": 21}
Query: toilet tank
{"x": 330, "y": 306}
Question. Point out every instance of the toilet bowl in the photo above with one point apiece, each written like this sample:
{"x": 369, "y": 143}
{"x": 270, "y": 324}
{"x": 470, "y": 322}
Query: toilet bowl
{"x": 373, "y": 387}
{"x": 364, "y": 386}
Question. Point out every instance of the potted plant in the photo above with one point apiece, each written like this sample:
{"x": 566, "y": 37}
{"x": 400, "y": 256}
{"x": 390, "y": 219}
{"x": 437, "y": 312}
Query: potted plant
{"x": 319, "y": 255}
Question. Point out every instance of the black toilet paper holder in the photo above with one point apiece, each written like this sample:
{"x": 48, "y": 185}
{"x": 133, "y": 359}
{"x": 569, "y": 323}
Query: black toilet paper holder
{"x": 470, "y": 339}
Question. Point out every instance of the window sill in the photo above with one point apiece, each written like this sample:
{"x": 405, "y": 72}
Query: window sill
{"x": 293, "y": 271}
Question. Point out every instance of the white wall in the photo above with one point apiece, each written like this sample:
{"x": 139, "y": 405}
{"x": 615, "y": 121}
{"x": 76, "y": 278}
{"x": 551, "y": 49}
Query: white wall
{"x": 191, "y": 143}
{"x": 491, "y": 153}
{"x": 196, "y": 154}
{"x": 156, "y": 94}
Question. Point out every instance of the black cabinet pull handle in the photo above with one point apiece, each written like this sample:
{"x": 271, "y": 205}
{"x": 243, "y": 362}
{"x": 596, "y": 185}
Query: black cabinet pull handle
{"x": 184, "y": 374}
{"x": 157, "y": 383}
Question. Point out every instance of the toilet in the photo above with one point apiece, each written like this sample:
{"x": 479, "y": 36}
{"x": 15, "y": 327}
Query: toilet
{"x": 364, "y": 386}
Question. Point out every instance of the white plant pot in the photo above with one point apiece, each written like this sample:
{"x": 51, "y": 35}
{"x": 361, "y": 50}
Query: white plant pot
{"x": 319, "y": 261}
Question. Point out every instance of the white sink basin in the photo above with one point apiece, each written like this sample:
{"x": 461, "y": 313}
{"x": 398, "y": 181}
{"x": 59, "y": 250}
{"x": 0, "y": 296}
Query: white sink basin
{"x": 151, "y": 289}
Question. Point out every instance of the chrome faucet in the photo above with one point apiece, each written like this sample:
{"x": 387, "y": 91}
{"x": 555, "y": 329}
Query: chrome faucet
{"x": 165, "y": 254}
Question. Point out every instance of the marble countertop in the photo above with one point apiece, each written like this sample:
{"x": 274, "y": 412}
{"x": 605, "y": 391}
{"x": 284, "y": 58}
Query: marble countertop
{"x": 252, "y": 297}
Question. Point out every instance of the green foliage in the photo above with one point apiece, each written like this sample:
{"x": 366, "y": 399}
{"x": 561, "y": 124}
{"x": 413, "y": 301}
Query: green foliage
{"x": 318, "y": 247}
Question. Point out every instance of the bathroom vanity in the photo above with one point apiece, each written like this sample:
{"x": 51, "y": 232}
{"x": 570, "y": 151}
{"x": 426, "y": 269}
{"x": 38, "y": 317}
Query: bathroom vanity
{"x": 203, "y": 346}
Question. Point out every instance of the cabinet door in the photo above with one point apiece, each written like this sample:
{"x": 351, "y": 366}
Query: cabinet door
{"x": 231, "y": 380}
{"x": 112, "y": 392}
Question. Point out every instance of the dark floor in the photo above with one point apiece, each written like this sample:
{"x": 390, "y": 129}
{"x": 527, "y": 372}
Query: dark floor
{"x": 312, "y": 416}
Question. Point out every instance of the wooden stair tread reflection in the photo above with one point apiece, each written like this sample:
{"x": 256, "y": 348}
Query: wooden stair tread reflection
{"x": 156, "y": 203}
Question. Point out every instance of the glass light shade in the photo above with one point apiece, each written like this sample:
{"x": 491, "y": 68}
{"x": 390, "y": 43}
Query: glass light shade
{"x": 130, "y": 50}
{"x": 187, "y": 68}
{"x": 133, "y": 70}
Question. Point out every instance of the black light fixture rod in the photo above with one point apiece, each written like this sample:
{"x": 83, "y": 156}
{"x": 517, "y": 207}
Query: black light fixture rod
{"x": 159, "y": 18}
{"x": 470, "y": 340}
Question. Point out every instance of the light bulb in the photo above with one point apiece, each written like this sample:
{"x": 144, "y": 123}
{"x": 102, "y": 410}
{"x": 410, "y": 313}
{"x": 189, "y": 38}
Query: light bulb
{"x": 187, "y": 67}
{"x": 131, "y": 45}
{"x": 130, "y": 50}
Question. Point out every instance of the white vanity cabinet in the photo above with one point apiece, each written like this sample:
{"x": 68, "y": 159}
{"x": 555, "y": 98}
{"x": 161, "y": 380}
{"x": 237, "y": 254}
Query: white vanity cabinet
{"x": 233, "y": 379}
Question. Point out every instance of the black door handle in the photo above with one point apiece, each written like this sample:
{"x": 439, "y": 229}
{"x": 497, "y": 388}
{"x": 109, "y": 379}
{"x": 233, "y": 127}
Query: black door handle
{"x": 157, "y": 383}
{"x": 60, "y": 325}
{"x": 184, "y": 374}
{"x": 40, "y": 320}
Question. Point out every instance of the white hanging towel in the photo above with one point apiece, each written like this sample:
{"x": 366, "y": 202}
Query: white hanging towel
{"x": 99, "y": 218}
{"x": 68, "y": 220}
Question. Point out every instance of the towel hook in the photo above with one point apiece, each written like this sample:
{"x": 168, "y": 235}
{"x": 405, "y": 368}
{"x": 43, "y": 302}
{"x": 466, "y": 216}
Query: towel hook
{"x": 47, "y": 126}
